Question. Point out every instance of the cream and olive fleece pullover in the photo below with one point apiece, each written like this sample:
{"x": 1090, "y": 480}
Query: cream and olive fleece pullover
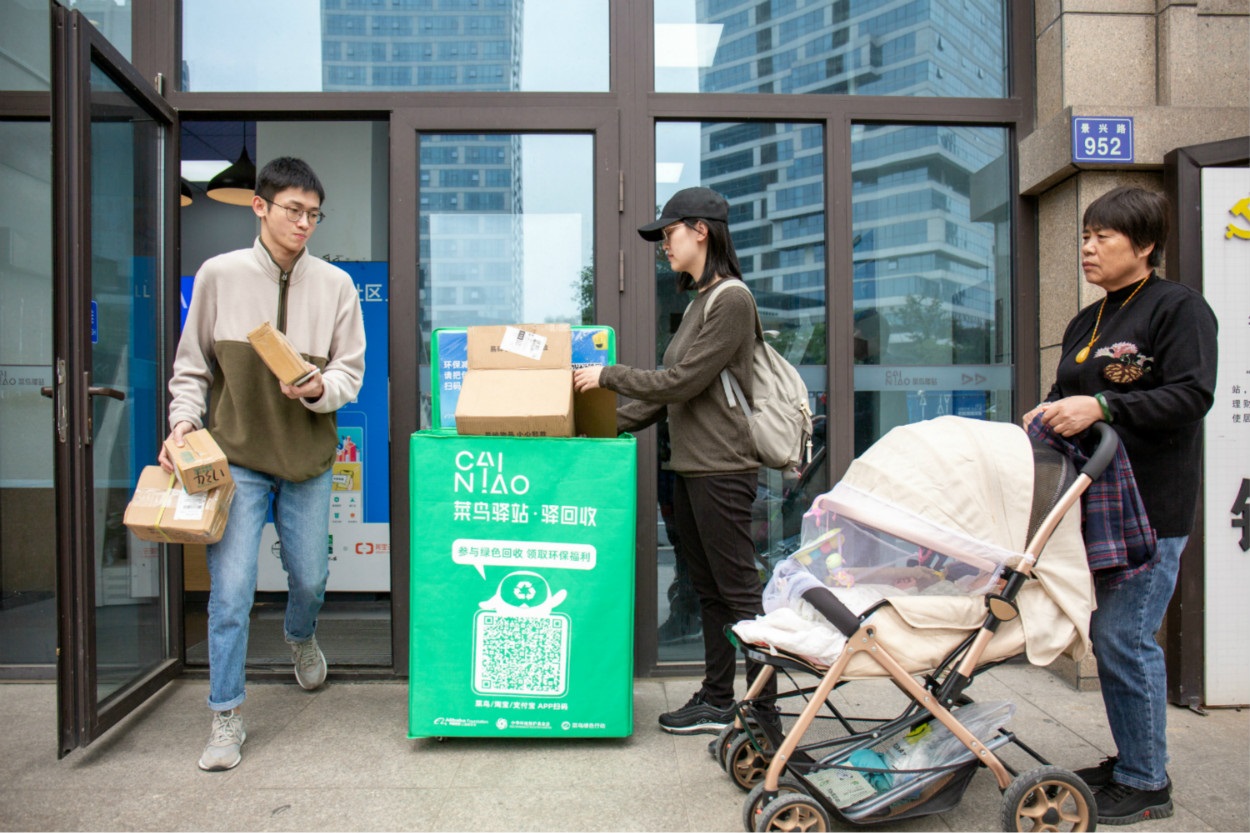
{"x": 708, "y": 437}
{"x": 318, "y": 307}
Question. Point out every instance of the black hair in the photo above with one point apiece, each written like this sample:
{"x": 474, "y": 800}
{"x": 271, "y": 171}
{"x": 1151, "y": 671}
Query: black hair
{"x": 287, "y": 172}
{"x": 721, "y": 258}
{"x": 1138, "y": 214}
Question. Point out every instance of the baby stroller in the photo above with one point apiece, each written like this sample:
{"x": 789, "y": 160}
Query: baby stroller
{"x": 922, "y": 566}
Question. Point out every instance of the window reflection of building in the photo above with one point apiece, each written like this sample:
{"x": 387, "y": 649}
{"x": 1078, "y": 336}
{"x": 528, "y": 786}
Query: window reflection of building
{"x": 922, "y": 255}
{"x": 470, "y": 185}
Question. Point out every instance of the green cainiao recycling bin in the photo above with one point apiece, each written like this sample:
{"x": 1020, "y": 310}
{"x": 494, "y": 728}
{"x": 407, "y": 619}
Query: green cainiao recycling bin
{"x": 522, "y": 594}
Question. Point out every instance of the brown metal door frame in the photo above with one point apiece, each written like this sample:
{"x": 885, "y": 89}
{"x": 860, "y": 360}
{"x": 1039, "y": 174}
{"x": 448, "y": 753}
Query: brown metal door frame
{"x": 1185, "y": 623}
{"x": 406, "y": 127}
{"x": 81, "y": 718}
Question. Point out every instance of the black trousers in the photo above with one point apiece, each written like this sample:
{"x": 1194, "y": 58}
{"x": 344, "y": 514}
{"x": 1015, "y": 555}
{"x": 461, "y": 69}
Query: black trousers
{"x": 713, "y": 519}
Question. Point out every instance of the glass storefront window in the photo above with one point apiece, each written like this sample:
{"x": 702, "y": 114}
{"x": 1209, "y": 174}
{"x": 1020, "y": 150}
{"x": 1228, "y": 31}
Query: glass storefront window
{"x": 506, "y": 232}
{"x": 127, "y": 217}
{"x": 27, "y": 499}
{"x": 772, "y": 173}
{"x": 24, "y": 46}
{"x": 380, "y": 45}
{"x": 840, "y": 47}
{"x": 932, "y": 275}
{"x": 111, "y": 18}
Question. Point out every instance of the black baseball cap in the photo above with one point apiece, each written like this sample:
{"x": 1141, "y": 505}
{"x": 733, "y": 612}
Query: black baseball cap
{"x": 688, "y": 203}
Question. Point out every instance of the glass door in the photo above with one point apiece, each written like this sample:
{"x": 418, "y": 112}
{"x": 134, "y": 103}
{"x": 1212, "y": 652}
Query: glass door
{"x": 113, "y": 183}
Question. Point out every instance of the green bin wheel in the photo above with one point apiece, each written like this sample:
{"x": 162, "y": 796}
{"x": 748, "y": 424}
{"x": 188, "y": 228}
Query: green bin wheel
{"x": 1049, "y": 798}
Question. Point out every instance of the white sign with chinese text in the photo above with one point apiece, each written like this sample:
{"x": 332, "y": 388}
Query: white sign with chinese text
{"x": 1226, "y": 285}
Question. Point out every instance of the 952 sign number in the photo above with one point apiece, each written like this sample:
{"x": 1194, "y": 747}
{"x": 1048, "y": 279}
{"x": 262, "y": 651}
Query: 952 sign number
{"x": 1102, "y": 139}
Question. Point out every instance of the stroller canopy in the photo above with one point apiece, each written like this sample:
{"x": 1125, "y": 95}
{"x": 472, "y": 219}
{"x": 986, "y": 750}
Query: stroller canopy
{"x": 963, "y": 487}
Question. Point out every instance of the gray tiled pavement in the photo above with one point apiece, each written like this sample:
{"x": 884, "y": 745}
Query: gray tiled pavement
{"x": 338, "y": 759}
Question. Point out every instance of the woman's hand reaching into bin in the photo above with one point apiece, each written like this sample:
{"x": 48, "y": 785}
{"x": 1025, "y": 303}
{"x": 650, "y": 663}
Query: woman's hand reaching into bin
{"x": 586, "y": 378}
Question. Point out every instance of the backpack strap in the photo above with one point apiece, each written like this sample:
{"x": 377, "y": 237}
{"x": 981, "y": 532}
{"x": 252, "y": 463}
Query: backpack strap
{"x": 727, "y": 379}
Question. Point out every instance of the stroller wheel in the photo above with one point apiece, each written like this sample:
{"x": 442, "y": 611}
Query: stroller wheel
{"x": 719, "y": 747}
{"x": 753, "y": 807}
{"x": 745, "y": 764}
{"x": 1048, "y": 798}
{"x": 793, "y": 812}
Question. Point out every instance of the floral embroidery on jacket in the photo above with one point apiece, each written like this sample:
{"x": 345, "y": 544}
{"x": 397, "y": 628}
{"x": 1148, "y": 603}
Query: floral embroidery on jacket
{"x": 1127, "y": 365}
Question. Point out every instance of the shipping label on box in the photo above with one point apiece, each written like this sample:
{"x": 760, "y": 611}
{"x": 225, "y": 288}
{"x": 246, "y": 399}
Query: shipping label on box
{"x": 161, "y": 510}
{"x": 523, "y": 586}
{"x": 199, "y": 464}
{"x": 280, "y": 355}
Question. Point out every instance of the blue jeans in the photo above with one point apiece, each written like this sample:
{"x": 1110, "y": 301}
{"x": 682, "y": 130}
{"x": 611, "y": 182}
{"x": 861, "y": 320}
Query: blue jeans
{"x": 1131, "y": 669}
{"x": 301, "y": 513}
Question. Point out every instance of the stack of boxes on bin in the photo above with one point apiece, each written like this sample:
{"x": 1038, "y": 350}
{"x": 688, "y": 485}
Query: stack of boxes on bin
{"x": 192, "y": 505}
{"x": 523, "y": 521}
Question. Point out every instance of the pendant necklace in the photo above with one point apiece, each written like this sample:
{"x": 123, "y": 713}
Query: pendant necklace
{"x": 1084, "y": 352}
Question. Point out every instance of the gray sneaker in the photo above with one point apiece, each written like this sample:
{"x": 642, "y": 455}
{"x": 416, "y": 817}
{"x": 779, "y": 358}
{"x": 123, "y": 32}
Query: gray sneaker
{"x": 310, "y": 663}
{"x": 223, "y": 750}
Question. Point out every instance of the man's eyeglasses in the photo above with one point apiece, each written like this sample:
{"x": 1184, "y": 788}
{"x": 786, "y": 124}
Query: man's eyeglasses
{"x": 315, "y": 215}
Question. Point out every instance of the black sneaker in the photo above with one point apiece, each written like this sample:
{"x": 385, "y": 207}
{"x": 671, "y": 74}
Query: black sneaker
{"x": 1098, "y": 776}
{"x": 1121, "y": 804}
{"x": 697, "y": 716}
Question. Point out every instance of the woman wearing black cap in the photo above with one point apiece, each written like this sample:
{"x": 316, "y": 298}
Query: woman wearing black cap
{"x": 712, "y": 451}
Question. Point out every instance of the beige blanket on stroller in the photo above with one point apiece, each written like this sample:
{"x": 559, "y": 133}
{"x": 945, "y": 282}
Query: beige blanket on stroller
{"x": 977, "y": 477}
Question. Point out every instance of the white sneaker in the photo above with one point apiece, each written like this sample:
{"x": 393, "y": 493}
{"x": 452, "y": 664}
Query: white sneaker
{"x": 224, "y": 747}
{"x": 310, "y": 663}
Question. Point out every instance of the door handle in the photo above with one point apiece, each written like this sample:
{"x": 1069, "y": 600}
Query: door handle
{"x": 97, "y": 390}
{"x": 100, "y": 390}
{"x": 46, "y": 390}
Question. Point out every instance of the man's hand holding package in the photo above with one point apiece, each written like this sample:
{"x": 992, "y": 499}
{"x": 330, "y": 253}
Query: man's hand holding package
{"x": 180, "y": 431}
{"x": 312, "y": 389}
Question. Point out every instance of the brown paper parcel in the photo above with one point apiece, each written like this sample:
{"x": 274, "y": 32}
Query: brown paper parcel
{"x": 161, "y": 510}
{"x": 199, "y": 463}
{"x": 279, "y": 354}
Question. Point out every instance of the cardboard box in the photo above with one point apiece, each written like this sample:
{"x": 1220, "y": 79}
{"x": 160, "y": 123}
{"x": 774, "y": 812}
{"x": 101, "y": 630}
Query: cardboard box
{"x": 161, "y": 510}
{"x": 277, "y": 352}
{"x": 200, "y": 464}
{"x": 519, "y": 383}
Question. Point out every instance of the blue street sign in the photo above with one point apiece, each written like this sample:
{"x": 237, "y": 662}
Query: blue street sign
{"x": 1098, "y": 139}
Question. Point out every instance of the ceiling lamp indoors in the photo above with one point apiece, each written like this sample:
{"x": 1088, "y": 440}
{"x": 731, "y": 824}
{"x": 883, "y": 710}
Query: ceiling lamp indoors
{"x": 185, "y": 190}
{"x": 235, "y": 185}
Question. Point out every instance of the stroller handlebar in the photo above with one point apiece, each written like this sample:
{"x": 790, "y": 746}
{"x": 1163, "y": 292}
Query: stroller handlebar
{"x": 831, "y": 607}
{"x": 1108, "y": 440}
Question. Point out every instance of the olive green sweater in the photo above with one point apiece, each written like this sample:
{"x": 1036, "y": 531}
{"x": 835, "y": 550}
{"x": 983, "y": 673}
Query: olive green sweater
{"x": 708, "y": 436}
{"x": 254, "y": 423}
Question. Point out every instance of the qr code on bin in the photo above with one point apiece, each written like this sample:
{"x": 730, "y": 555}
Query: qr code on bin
{"x": 520, "y": 654}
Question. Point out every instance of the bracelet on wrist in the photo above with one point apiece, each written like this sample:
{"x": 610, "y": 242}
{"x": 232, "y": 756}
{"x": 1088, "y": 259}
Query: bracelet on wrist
{"x": 1106, "y": 410}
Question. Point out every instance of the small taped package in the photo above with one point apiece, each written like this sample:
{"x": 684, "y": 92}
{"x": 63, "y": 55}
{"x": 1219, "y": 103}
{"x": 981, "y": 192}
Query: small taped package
{"x": 161, "y": 510}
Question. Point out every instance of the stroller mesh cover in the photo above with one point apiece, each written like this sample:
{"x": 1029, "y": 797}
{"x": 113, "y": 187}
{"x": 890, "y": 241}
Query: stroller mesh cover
{"x": 917, "y": 532}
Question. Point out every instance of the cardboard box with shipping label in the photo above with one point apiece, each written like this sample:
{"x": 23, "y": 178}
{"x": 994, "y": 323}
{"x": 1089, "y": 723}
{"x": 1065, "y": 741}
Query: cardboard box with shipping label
{"x": 161, "y": 510}
{"x": 280, "y": 355}
{"x": 519, "y": 382}
{"x": 199, "y": 464}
